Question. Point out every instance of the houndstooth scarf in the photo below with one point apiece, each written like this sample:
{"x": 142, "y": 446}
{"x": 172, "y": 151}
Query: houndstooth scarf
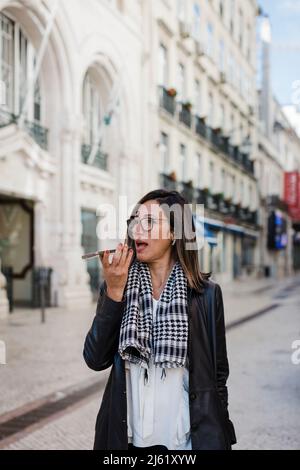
{"x": 166, "y": 338}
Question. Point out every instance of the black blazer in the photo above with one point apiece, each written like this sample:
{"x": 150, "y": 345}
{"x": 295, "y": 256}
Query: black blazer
{"x": 211, "y": 427}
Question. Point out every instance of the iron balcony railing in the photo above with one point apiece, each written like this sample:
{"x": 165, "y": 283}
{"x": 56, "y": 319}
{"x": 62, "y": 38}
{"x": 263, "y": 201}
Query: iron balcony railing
{"x": 167, "y": 101}
{"x": 185, "y": 115}
{"x": 168, "y": 183}
{"x": 100, "y": 159}
{"x": 187, "y": 191}
{"x": 200, "y": 127}
{"x": 38, "y": 133}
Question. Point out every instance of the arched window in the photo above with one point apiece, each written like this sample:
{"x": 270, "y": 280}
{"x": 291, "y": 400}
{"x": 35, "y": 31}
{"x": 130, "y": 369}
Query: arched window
{"x": 17, "y": 63}
{"x": 94, "y": 121}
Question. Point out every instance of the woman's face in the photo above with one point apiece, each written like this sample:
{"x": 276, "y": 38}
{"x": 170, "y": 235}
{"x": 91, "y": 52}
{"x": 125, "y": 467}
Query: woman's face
{"x": 151, "y": 232}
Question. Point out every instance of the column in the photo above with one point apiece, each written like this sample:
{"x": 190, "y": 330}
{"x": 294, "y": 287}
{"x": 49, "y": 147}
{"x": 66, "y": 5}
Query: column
{"x": 71, "y": 279}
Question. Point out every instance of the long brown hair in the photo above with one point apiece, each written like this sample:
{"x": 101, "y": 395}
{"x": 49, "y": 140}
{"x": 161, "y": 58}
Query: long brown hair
{"x": 188, "y": 258}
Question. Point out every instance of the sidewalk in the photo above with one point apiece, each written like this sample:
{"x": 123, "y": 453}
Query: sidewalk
{"x": 47, "y": 358}
{"x": 43, "y": 358}
{"x": 244, "y": 297}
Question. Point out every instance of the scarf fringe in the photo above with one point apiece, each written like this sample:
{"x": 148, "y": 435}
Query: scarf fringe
{"x": 162, "y": 377}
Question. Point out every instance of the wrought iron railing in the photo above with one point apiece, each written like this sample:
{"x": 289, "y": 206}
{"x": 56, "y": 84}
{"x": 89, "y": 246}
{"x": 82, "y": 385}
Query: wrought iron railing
{"x": 100, "y": 158}
{"x": 168, "y": 183}
{"x": 185, "y": 115}
{"x": 167, "y": 101}
{"x": 38, "y": 133}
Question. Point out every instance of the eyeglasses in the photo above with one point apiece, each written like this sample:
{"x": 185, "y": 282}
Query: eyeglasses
{"x": 147, "y": 223}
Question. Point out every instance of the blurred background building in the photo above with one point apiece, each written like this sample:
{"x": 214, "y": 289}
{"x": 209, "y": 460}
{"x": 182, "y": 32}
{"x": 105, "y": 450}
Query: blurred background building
{"x": 203, "y": 120}
{"x": 87, "y": 93}
{"x": 116, "y": 97}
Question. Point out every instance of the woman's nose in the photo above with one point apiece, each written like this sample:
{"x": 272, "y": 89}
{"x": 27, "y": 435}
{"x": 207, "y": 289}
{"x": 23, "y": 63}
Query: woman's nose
{"x": 138, "y": 228}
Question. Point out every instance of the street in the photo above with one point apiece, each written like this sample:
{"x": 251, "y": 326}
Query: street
{"x": 264, "y": 384}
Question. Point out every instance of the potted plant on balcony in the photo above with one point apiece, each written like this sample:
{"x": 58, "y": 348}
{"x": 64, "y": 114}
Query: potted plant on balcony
{"x": 187, "y": 105}
{"x": 172, "y": 92}
{"x": 206, "y": 190}
{"x": 172, "y": 176}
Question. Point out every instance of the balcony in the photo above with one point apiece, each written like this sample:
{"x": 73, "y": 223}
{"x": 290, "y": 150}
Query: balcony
{"x": 201, "y": 128}
{"x": 253, "y": 218}
{"x": 100, "y": 160}
{"x": 167, "y": 101}
{"x": 235, "y": 154}
{"x": 33, "y": 128}
{"x": 7, "y": 118}
{"x": 274, "y": 201}
{"x": 216, "y": 138}
{"x": 212, "y": 202}
{"x": 185, "y": 115}
{"x": 201, "y": 196}
{"x": 242, "y": 159}
{"x": 187, "y": 191}
{"x": 230, "y": 208}
{"x": 248, "y": 164}
{"x": 38, "y": 133}
{"x": 167, "y": 182}
{"x": 216, "y": 202}
{"x": 222, "y": 204}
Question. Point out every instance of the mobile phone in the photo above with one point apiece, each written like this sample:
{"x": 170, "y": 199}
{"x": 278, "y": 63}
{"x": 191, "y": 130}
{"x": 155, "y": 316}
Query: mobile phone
{"x": 96, "y": 253}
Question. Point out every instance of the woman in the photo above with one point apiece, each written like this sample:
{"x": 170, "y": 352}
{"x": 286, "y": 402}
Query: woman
{"x": 167, "y": 386}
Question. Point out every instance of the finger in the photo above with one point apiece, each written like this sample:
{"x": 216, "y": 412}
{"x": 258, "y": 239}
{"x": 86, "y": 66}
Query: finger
{"x": 129, "y": 257}
{"x": 104, "y": 259}
{"x": 117, "y": 255}
{"x": 124, "y": 254}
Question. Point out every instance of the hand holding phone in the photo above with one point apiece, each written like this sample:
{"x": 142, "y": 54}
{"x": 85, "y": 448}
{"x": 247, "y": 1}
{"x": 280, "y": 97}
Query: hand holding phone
{"x": 116, "y": 272}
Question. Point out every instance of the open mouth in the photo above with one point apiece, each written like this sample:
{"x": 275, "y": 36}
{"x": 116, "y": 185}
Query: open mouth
{"x": 140, "y": 245}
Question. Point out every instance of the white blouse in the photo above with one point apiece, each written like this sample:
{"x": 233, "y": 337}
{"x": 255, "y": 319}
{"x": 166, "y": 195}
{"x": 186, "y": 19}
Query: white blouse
{"x": 158, "y": 411}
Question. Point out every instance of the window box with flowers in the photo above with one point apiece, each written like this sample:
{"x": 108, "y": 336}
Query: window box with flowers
{"x": 172, "y": 92}
{"x": 187, "y": 105}
{"x": 167, "y": 99}
{"x": 172, "y": 176}
{"x": 188, "y": 190}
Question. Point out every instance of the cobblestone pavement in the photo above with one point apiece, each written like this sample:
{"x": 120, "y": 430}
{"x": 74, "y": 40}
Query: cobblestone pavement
{"x": 264, "y": 385}
{"x": 42, "y": 358}
{"x": 72, "y": 431}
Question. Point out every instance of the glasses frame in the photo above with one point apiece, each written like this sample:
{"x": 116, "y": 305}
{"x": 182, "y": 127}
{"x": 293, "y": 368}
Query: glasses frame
{"x": 153, "y": 220}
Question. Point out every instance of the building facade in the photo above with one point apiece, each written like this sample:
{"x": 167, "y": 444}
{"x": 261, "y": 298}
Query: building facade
{"x": 108, "y": 98}
{"x": 278, "y": 154}
{"x": 200, "y": 68}
{"x": 69, "y": 142}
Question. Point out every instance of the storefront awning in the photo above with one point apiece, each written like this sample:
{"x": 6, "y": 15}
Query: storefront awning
{"x": 210, "y": 236}
{"x": 202, "y": 230}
